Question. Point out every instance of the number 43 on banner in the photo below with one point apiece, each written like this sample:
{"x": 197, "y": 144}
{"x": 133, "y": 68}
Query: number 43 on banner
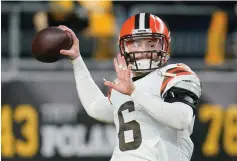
{"x": 12, "y": 146}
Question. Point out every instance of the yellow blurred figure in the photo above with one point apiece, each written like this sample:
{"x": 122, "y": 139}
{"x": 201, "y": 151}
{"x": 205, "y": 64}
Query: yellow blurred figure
{"x": 217, "y": 35}
{"x": 102, "y": 21}
{"x": 102, "y": 26}
{"x": 58, "y": 11}
{"x": 61, "y": 9}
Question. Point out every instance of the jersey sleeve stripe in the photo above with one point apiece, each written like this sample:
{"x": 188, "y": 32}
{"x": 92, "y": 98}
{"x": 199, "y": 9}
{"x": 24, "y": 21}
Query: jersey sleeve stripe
{"x": 184, "y": 73}
{"x": 177, "y": 71}
{"x": 164, "y": 84}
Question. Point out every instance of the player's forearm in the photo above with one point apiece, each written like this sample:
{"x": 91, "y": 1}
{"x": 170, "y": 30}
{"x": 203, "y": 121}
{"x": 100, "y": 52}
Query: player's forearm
{"x": 176, "y": 115}
{"x": 93, "y": 100}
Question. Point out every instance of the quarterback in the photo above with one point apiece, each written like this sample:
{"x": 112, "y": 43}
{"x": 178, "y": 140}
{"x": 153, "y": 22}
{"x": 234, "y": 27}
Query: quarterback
{"x": 151, "y": 103}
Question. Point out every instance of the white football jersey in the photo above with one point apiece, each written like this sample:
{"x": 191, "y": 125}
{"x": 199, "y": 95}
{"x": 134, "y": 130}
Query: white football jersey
{"x": 141, "y": 137}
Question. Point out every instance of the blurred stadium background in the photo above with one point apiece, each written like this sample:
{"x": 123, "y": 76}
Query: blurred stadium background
{"x": 42, "y": 117}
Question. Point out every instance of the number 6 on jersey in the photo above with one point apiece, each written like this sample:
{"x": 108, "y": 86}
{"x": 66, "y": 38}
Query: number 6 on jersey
{"x": 132, "y": 125}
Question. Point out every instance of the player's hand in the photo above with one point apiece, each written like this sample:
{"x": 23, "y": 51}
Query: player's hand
{"x": 124, "y": 83}
{"x": 74, "y": 52}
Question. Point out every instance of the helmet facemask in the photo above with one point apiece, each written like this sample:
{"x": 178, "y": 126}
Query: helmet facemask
{"x": 145, "y": 52}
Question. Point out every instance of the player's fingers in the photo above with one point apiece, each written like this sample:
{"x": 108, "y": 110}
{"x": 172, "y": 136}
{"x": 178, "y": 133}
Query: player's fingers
{"x": 65, "y": 52}
{"x": 74, "y": 36}
{"x": 129, "y": 71}
{"x": 62, "y": 27}
{"x": 117, "y": 69}
{"x": 116, "y": 66}
{"x": 127, "y": 75}
{"x": 122, "y": 67}
{"x": 110, "y": 84}
{"x": 121, "y": 61}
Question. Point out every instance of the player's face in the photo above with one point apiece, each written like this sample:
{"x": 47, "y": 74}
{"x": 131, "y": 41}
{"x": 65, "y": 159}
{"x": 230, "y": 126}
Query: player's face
{"x": 144, "y": 44}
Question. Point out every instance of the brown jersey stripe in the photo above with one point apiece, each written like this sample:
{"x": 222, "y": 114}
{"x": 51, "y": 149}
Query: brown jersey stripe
{"x": 164, "y": 84}
{"x": 166, "y": 77}
{"x": 178, "y": 71}
{"x": 184, "y": 73}
{"x": 173, "y": 71}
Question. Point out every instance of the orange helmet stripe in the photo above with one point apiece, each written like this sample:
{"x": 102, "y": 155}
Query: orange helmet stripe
{"x": 128, "y": 27}
{"x": 158, "y": 26}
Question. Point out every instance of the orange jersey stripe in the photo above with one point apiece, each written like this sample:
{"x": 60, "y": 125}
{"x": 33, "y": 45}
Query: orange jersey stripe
{"x": 174, "y": 70}
{"x": 164, "y": 83}
{"x": 184, "y": 73}
{"x": 178, "y": 71}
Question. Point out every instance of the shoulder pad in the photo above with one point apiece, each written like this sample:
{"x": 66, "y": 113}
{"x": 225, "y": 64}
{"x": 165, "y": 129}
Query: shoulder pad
{"x": 174, "y": 73}
{"x": 189, "y": 86}
{"x": 176, "y": 94}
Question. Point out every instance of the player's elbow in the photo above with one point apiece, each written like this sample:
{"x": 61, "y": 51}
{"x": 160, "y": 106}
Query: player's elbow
{"x": 92, "y": 110}
{"x": 100, "y": 118}
{"x": 184, "y": 123}
{"x": 184, "y": 118}
{"x": 99, "y": 110}
{"x": 92, "y": 113}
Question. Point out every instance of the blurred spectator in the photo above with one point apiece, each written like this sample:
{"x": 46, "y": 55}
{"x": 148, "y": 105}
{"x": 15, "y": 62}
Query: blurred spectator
{"x": 94, "y": 19}
{"x": 67, "y": 13}
{"x": 102, "y": 27}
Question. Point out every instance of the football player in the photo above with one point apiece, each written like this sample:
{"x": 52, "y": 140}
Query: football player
{"x": 151, "y": 103}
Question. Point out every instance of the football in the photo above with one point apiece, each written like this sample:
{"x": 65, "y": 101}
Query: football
{"x": 47, "y": 43}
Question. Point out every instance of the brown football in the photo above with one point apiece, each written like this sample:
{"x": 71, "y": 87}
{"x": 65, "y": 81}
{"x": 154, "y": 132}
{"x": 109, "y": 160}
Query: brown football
{"x": 47, "y": 44}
